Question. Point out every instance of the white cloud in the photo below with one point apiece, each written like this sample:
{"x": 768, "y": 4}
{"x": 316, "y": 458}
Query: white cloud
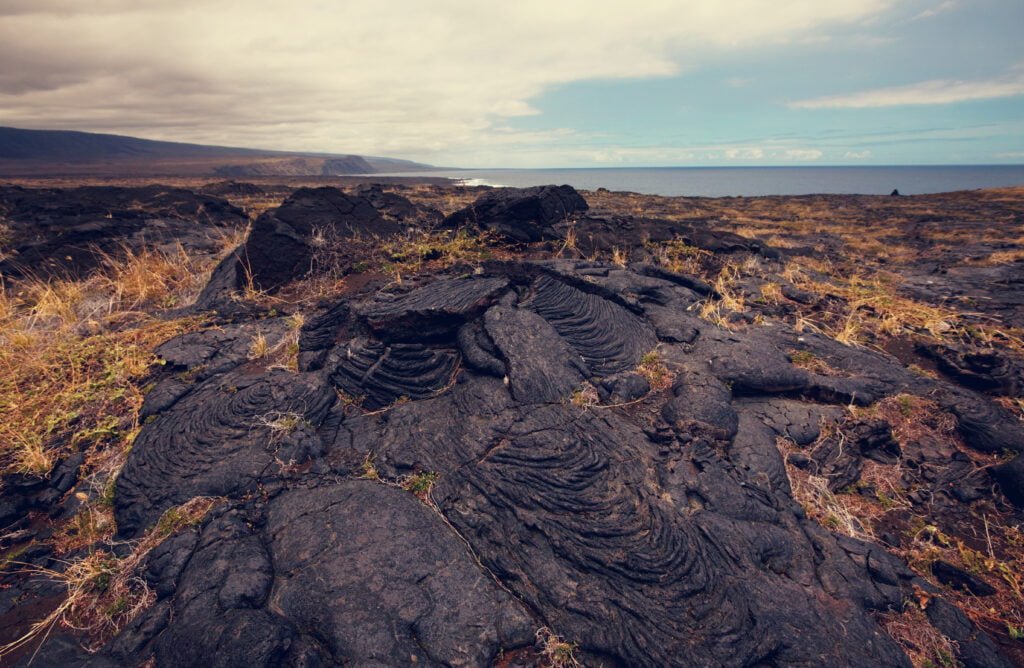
{"x": 803, "y": 154}
{"x": 744, "y": 154}
{"x": 940, "y": 8}
{"x": 938, "y": 91}
{"x": 708, "y": 154}
{"x": 857, "y": 155}
{"x": 403, "y": 77}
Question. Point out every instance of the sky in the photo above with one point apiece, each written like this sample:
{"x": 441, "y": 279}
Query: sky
{"x": 532, "y": 83}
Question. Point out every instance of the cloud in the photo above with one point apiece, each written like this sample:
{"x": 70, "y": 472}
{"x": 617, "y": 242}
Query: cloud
{"x": 857, "y": 155}
{"x": 940, "y": 8}
{"x": 588, "y": 150}
{"x": 803, "y": 154}
{"x": 938, "y": 91}
{"x": 403, "y": 77}
{"x": 744, "y": 154}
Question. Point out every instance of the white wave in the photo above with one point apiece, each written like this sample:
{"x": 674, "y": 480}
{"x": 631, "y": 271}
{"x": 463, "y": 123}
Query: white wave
{"x": 479, "y": 182}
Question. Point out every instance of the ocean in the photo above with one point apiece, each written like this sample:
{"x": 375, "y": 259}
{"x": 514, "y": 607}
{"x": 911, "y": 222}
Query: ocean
{"x": 751, "y": 181}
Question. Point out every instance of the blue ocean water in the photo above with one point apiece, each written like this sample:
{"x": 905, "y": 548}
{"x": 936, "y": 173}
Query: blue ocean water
{"x": 751, "y": 181}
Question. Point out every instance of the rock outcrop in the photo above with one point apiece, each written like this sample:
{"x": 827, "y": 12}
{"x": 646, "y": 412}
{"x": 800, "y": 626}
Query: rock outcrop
{"x": 282, "y": 244}
{"x": 465, "y": 460}
{"x": 521, "y": 214}
{"x": 68, "y": 232}
{"x": 662, "y": 534}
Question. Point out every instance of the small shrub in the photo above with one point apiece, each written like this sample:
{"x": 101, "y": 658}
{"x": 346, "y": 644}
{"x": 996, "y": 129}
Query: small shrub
{"x": 654, "y": 370}
{"x": 368, "y": 470}
{"x": 258, "y": 347}
{"x": 555, "y": 652}
{"x": 420, "y": 483}
{"x": 584, "y": 396}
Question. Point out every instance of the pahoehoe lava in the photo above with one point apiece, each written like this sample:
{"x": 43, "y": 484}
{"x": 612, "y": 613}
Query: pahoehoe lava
{"x": 652, "y": 526}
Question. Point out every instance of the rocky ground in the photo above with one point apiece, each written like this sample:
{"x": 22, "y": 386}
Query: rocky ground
{"x": 258, "y": 424}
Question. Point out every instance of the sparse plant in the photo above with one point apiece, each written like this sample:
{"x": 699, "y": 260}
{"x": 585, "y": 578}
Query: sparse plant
{"x": 556, "y": 652}
{"x": 807, "y": 360}
{"x": 258, "y": 347}
{"x": 419, "y": 483}
{"x": 368, "y": 469}
{"x": 653, "y": 368}
{"x": 281, "y": 424}
{"x": 923, "y": 643}
{"x": 584, "y": 396}
{"x": 771, "y": 293}
{"x": 620, "y": 257}
{"x": 103, "y": 592}
{"x": 570, "y": 243}
{"x": 440, "y": 249}
{"x": 679, "y": 257}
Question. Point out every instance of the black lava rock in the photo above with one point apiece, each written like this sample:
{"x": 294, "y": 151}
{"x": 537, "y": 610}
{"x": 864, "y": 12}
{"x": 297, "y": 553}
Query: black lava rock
{"x": 70, "y": 232}
{"x": 521, "y": 214}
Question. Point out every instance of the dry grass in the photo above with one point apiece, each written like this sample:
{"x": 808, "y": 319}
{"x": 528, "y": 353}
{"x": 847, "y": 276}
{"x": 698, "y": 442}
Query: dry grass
{"x": 911, "y": 418}
{"x": 729, "y": 300}
{"x": 73, "y": 361}
{"x": 654, "y": 370}
{"x": 997, "y": 560}
{"x": 680, "y": 257}
{"x": 584, "y": 396}
{"x": 620, "y": 257}
{"x": 105, "y": 592}
{"x": 873, "y": 306}
{"x": 923, "y": 644}
{"x": 73, "y": 355}
{"x": 61, "y": 392}
{"x": 842, "y": 513}
{"x": 153, "y": 279}
{"x": 1000, "y": 257}
{"x": 771, "y": 293}
{"x": 434, "y": 250}
{"x": 570, "y": 244}
{"x": 285, "y": 353}
{"x": 556, "y": 652}
{"x": 986, "y": 542}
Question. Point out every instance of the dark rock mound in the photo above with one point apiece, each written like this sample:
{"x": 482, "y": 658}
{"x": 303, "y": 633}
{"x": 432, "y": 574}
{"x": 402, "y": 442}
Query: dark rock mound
{"x": 282, "y": 243}
{"x": 958, "y": 578}
{"x": 68, "y": 232}
{"x": 20, "y": 494}
{"x": 233, "y": 189}
{"x": 345, "y": 573}
{"x": 982, "y": 370}
{"x": 395, "y": 207}
{"x": 521, "y": 214}
{"x": 221, "y": 438}
{"x": 662, "y": 532}
{"x": 1010, "y": 477}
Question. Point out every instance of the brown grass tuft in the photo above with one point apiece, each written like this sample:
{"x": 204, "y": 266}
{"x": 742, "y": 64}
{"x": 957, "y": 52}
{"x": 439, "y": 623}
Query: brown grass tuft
{"x": 923, "y": 644}
{"x": 105, "y": 592}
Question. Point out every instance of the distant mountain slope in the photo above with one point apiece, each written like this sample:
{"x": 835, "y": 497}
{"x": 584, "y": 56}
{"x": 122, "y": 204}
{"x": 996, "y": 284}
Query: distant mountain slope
{"x": 68, "y": 146}
{"x": 37, "y": 152}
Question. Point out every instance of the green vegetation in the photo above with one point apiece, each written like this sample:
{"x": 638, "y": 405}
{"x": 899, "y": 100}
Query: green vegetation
{"x": 420, "y": 483}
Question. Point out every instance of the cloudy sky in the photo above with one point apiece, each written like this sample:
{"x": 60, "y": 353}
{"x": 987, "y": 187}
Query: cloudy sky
{"x": 532, "y": 83}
